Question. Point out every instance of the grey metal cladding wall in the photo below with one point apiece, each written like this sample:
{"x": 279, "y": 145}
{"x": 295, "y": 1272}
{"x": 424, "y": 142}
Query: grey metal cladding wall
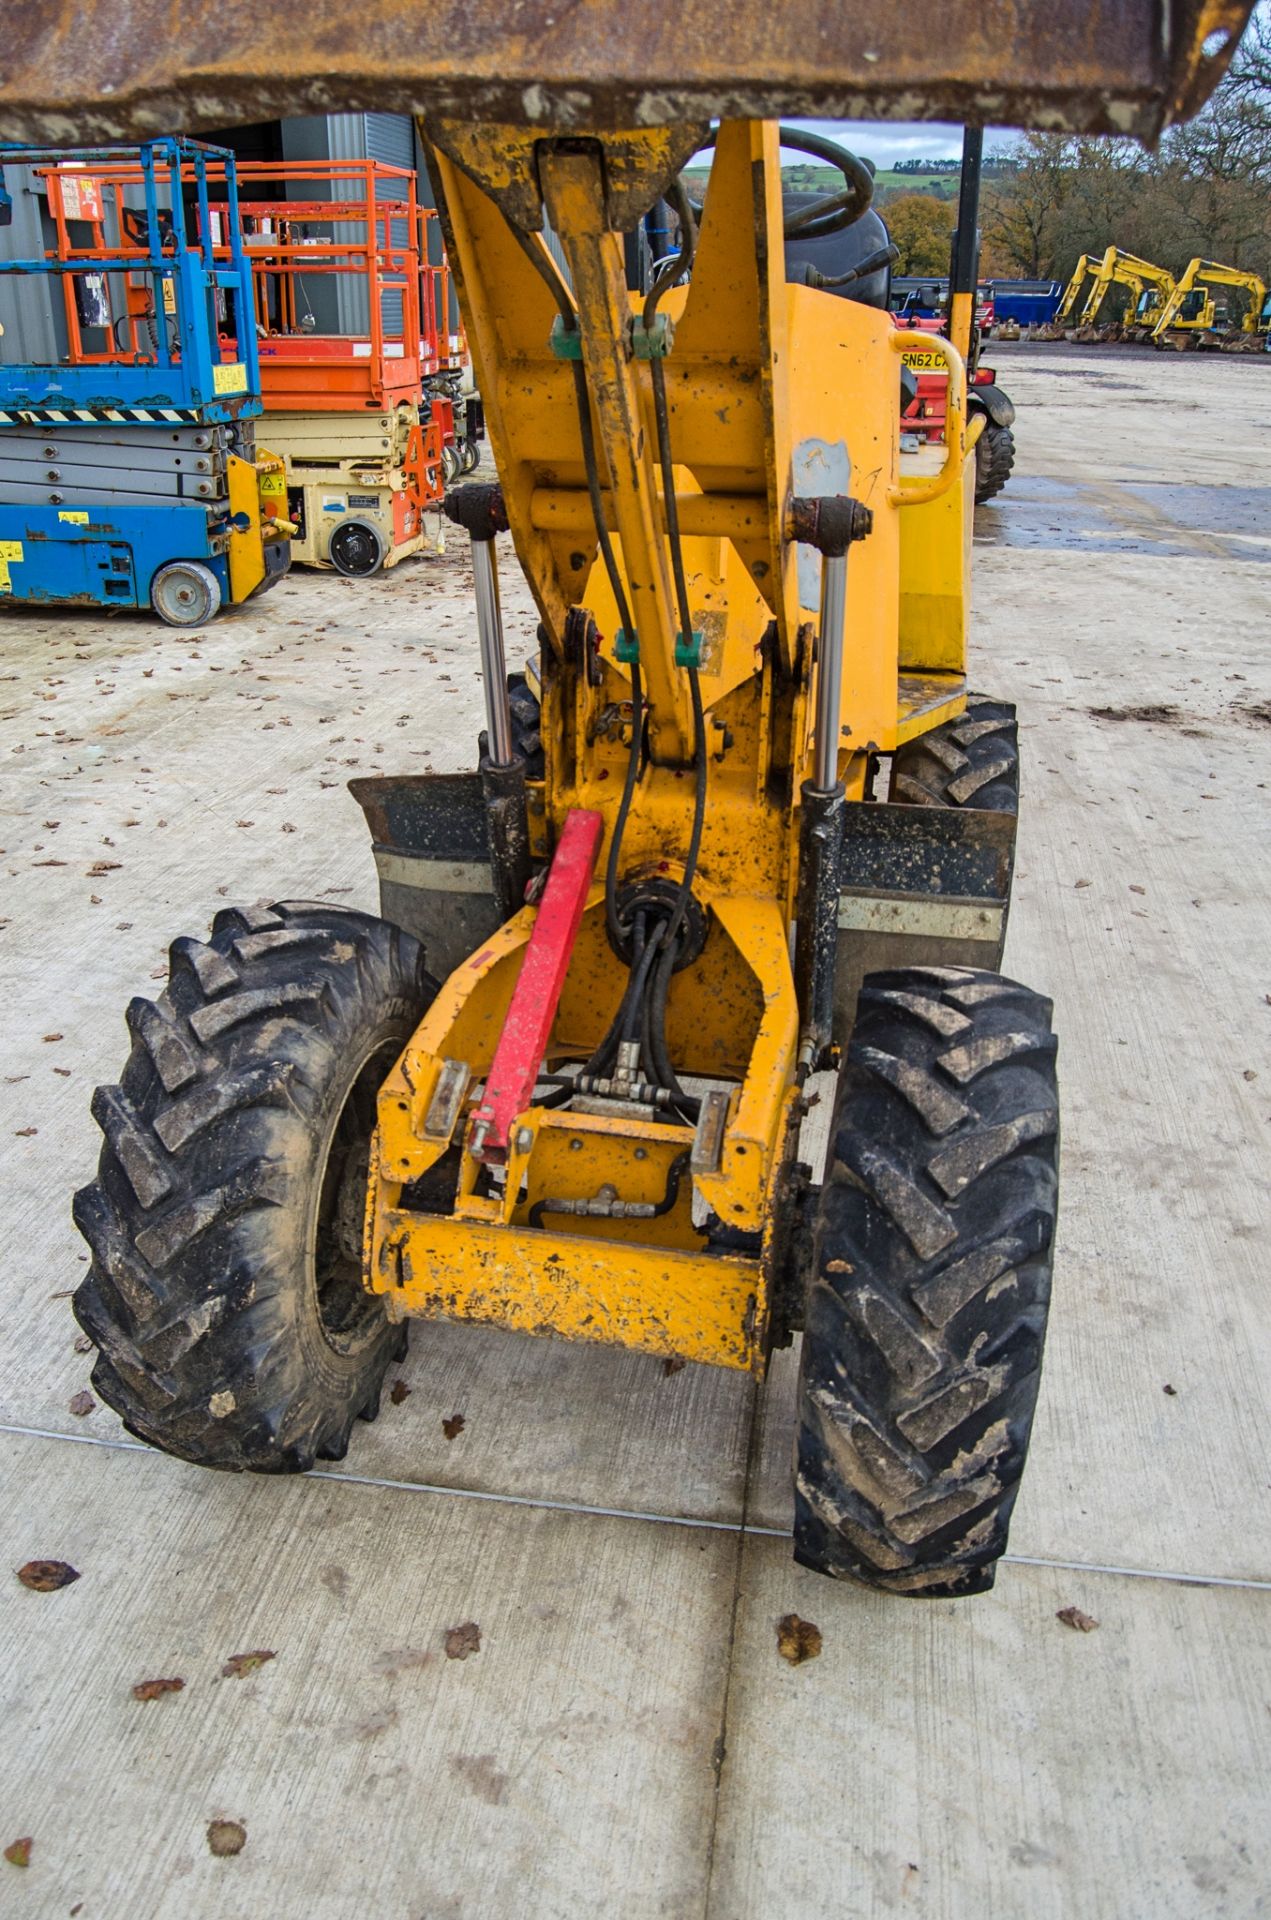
{"x": 34, "y": 331}
{"x": 390, "y": 137}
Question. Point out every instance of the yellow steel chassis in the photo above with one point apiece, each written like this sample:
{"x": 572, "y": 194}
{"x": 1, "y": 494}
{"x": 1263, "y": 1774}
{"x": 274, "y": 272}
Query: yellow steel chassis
{"x": 773, "y": 391}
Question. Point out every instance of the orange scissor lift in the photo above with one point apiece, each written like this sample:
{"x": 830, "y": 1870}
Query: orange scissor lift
{"x": 360, "y": 376}
{"x": 348, "y": 325}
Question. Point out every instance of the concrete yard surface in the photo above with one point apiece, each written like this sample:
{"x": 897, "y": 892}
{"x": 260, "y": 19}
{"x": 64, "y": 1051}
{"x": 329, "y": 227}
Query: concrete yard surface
{"x": 615, "y": 1732}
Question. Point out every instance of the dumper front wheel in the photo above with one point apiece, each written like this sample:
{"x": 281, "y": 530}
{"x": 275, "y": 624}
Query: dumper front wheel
{"x": 923, "y": 1335}
{"x": 224, "y": 1295}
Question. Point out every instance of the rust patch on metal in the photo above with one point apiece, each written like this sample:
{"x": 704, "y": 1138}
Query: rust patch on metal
{"x": 75, "y": 71}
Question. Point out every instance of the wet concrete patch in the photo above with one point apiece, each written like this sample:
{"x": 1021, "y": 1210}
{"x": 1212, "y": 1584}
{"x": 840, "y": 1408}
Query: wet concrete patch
{"x": 1164, "y": 519}
{"x": 1220, "y": 511}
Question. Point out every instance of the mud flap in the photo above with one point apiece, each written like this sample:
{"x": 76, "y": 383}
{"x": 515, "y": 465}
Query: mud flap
{"x": 991, "y": 400}
{"x": 432, "y": 853}
{"x": 919, "y": 886}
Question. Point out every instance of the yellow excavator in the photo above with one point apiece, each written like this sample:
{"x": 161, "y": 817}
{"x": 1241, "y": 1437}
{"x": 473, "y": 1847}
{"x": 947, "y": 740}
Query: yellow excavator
{"x": 759, "y": 830}
{"x": 1191, "y": 317}
{"x": 1148, "y": 288}
{"x": 1066, "y": 311}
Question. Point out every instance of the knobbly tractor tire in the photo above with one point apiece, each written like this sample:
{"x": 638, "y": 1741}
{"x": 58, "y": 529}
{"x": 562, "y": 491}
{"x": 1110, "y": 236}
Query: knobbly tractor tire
{"x": 224, "y": 1295}
{"x": 527, "y": 738}
{"x": 994, "y": 459}
{"x": 922, "y": 1344}
{"x": 972, "y": 761}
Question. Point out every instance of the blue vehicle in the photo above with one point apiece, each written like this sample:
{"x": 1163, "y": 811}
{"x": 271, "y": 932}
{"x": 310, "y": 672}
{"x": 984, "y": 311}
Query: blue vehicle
{"x": 129, "y": 475}
{"x": 1029, "y": 303}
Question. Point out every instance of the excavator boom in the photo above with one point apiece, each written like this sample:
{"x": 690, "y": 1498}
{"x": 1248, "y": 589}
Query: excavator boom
{"x": 1072, "y": 291}
{"x": 1201, "y": 274}
{"x": 1120, "y": 269}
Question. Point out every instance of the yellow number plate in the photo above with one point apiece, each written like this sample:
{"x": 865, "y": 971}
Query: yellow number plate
{"x": 925, "y": 362}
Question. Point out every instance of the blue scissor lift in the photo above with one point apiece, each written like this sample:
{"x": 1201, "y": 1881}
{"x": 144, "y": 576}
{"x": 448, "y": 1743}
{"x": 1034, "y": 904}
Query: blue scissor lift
{"x": 129, "y": 475}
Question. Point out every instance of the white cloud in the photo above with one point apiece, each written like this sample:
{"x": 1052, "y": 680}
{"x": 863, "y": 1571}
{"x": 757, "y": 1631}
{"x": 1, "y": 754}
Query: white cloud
{"x": 887, "y": 141}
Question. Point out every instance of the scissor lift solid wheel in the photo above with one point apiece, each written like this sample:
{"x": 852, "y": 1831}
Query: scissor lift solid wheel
{"x": 185, "y": 593}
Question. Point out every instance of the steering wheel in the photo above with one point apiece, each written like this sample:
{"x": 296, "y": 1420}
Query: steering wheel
{"x": 833, "y": 211}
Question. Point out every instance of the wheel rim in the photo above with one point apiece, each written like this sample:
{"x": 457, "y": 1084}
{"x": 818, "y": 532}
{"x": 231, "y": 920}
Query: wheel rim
{"x": 355, "y": 549}
{"x": 183, "y": 597}
{"x": 347, "y": 1312}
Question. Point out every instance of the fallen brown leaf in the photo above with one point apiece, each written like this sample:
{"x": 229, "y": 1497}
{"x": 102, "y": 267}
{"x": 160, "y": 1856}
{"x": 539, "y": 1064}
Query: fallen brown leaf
{"x": 398, "y": 1392}
{"x": 53, "y": 1036}
{"x": 18, "y": 1852}
{"x": 1074, "y": 1617}
{"x": 453, "y": 1427}
{"x": 1137, "y": 889}
{"x": 103, "y": 866}
{"x": 46, "y": 1576}
{"x": 152, "y": 1689}
{"x": 797, "y": 1640}
{"x": 1081, "y": 883}
{"x": 461, "y": 1641}
{"x": 25, "y": 1133}
{"x": 1167, "y": 1388}
{"x": 81, "y": 1403}
{"x": 240, "y": 1663}
{"x": 226, "y": 1838}
{"x": 673, "y": 1364}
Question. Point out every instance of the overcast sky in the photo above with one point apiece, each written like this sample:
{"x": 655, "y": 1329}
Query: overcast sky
{"x": 887, "y": 141}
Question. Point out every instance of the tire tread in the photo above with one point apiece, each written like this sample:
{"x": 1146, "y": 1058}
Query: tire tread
{"x": 923, "y": 1337}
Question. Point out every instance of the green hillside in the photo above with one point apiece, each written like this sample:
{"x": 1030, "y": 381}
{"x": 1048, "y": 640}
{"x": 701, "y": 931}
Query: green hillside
{"x": 808, "y": 177}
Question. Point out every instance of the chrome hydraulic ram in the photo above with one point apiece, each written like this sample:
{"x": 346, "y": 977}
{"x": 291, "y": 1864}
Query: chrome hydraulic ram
{"x": 830, "y": 524}
{"x": 479, "y": 510}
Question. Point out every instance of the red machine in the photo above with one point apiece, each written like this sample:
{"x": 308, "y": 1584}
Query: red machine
{"x": 925, "y": 414}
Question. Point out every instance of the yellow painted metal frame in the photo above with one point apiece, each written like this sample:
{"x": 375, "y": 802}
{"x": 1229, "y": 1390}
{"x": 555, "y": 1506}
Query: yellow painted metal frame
{"x": 253, "y": 488}
{"x": 772, "y": 390}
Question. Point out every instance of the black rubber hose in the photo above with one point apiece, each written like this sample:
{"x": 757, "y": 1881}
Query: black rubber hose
{"x": 606, "y": 1052}
{"x": 674, "y": 1175}
{"x": 546, "y": 266}
{"x": 873, "y": 263}
{"x": 640, "y": 975}
{"x": 663, "y": 1072}
{"x": 682, "y": 261}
